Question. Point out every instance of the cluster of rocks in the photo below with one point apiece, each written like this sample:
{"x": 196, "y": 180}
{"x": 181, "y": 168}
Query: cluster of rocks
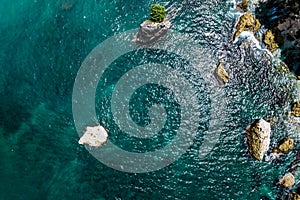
{"x": 283, "y": 18}
{"x": 258, "y": 141}
{"x": 282, "y": 32}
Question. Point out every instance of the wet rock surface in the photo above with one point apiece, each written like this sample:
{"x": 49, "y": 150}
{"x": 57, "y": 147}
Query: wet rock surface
{"x": 294, "y": 196}
{"x": 247, "y": 22}
{"x": 269, "y": 39}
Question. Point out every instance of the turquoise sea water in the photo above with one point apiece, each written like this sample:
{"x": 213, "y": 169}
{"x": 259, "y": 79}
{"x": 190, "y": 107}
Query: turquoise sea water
{"x": 43, "y": 45}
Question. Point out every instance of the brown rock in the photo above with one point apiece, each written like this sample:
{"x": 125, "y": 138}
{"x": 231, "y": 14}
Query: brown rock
{"x": 258, "y": 138}
{"x": 296, "y": 109}
{"x": 221, "y": 74}
{"x": 287, "y": 180}
{"x": 284, "y": 146}
{"x": 244, "y": 5}
{"x": 247, "y": 22}
{"x": 269, "y": 39}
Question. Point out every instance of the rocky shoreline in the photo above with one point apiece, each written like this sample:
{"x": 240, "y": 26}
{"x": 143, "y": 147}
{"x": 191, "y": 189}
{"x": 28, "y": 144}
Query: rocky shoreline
{"x": 280, "y": 23}
{"x": 283, "y": 19}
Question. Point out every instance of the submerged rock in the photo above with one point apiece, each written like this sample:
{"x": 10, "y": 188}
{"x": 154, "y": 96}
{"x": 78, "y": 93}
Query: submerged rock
{"x": 296, "y": 109}
{"x": 287, "y": 180}
{"x": 66, "y": 5}
{"x": 150, "y": 32}
{"x": 221, "y": 74}
{"x": 258, "y": 138}
{"x": 94, "y": 136}
{"x": 247, "y": 22}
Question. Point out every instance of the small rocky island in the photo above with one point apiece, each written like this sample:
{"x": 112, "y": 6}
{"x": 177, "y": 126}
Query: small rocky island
{"x": 94, "y": 136}
{"x": 154, "y": 28}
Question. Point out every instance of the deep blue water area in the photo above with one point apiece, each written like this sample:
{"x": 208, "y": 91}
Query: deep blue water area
{"x": 43, "y": 44}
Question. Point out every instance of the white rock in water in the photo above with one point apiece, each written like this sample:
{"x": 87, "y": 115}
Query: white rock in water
{"x": 94, "y": 136}
{"x": 150, "y": 32}
{"x": 258, "y": 138}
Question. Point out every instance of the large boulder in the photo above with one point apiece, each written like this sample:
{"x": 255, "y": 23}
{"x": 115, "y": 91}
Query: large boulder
{"x": 258, "y": 138}
{"x": 287, "y": 180}
{"x": 151, "y": 31}
{"x": 94, "y": 136}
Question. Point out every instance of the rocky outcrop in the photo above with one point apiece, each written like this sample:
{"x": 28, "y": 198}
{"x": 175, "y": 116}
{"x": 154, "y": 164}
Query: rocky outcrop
{"x": 94, "y": 136}
{"x": 269, "y": 39}
{"x": 247, "y": 22}
{"x": 287, "y": 180}
{"x": 296, "y": 109}
{"x": 150, "y": 32}
{"x": 221, "y": 74}
{"x": 283, "y": 16}
{"x": 258, "y": 138}
{"x": 153, "y": 29}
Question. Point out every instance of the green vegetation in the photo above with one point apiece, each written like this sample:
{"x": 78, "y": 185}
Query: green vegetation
{"x": 157, "y": 13}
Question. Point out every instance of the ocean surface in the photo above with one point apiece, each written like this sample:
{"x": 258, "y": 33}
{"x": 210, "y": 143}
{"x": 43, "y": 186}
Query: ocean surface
{"x": 43, "y": 45}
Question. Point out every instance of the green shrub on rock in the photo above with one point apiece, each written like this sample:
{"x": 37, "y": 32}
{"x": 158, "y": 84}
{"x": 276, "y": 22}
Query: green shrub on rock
{"x": 157, "y": 13}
